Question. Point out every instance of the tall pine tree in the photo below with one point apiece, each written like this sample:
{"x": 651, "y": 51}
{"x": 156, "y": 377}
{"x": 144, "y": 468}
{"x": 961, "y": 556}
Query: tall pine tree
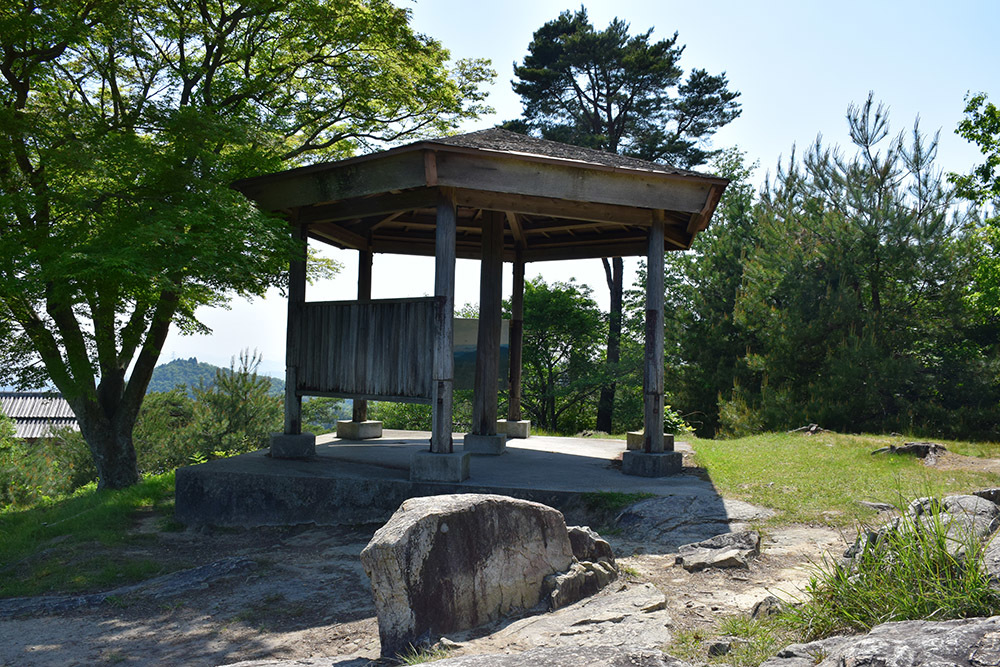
{"x": 621, "y": 93}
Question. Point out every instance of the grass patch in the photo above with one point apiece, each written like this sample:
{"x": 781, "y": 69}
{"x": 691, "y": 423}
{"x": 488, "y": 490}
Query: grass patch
{"x": 50, "y": 547}
{"x": 416, "y": 656}
{"x": 920, "y": 570}
{"x": 611, "y": 501}
{"x": 762, "y": 638}
{"x": 820, "y": 478}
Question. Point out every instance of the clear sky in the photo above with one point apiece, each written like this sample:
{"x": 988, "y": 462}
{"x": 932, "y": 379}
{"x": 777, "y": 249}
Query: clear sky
{"x": 797, "y": 63}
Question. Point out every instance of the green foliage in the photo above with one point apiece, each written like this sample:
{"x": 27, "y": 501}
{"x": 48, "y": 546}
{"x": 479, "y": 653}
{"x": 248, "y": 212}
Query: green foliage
{"x": 320, "y": 414}
{"x": 617, "y": 92}
{"x": 54, "y": 544}
{"x": 122, "y": 126}
{"x": 762, "y": 638}
{"x": 562, "y": 329}
{"x": 981, "y": 126}
{"x": 236, "y": 413}
{"x": 923, "y": 569}
{"x": 417, "y": 416}
{"x": 46, "y": 468}
{"x": 851, "y": 312}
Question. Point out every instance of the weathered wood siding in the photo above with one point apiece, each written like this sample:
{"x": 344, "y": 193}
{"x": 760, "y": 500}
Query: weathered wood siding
{"x": 377, "y": 349}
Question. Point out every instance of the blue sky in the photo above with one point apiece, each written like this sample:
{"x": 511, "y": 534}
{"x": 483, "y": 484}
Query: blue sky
{"x": 798, "y": 66}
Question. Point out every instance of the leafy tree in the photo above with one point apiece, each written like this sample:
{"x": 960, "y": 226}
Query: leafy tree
{"x": 620, "y": 93}
{"x": 981, "y": 126}
{"x": 320, "y": 414}
{"x": 852, "y": 299}
{"x": 562, "y": 325}
{"x": 122, "y": 125}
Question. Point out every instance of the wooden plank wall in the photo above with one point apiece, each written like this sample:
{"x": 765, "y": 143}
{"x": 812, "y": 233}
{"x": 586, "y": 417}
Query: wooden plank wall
{"x": 375, "y": 349}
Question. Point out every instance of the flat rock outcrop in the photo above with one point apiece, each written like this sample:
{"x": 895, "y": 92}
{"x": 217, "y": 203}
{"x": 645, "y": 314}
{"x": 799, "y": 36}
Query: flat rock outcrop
{"x": 454, "y": 562}
{"x": 671, "y": 521}
{"x": 973, "y": 642}
{"x": 569, "y": 656}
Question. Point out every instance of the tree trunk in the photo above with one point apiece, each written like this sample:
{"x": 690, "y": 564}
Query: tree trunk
{"x": 606, "y": 404}
{"x": 110, "y": 443}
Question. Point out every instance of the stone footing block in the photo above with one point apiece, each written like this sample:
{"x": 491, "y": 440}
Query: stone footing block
{"x": 514, "y": 429}
{"x": 633, "y": 440}
{"x": 659, "y": 464}
{"x": 484, "y": 444}
{"x": 284, "y": 446}
{"x": 351, "y": 430}
{"x": 427, "y": 466}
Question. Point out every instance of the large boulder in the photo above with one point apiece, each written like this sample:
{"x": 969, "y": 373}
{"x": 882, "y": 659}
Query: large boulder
{"x": 455, "y": 562}
{"x": 973, "y": 642}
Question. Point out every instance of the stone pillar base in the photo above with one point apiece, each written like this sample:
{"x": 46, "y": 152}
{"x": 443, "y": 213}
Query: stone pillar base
{"x": 427, "y": 466}
{"x": 659, "y": 464}
{"x": 484, "y": 444}
{"x": 633, "y": 440}
{"x": 514, "y": 429}
{"x": 352, "y": 430}
{"x": 284, "y": 446}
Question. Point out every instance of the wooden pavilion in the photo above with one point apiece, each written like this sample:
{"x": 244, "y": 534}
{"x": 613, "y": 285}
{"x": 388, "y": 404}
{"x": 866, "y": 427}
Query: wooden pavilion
{"x": 491, "y": 195}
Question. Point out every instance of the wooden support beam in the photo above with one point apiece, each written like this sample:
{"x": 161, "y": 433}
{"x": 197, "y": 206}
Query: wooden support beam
{"x": 444, "y": 333}
{"x": 484, "y": 402}
{"x": 516, "y": 338}
{"x": 340, "y": 235}
{"x": 293, "y": 330}
{"x": 383, "y": 204}
{"x": 652, "y": 381}
{"x": 360, "y": 411}
{"x": 516, "y": 229}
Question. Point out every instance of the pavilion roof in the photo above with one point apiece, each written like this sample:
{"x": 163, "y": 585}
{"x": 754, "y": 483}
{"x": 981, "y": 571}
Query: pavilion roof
{"x": 561, "y": 201}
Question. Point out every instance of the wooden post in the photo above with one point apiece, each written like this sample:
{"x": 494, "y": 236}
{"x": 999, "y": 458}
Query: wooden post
{"x": 360, "y": 413}
{"x": 484, "y": 405}
{"x": 516, "y": 337}
{"x": 296, "y": 298}
{"x": 444, "y": 327}
{"x": 652, "y": 382}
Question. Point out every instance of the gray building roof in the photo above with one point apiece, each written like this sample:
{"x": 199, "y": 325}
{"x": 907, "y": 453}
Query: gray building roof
{"x": 35, "y": 414}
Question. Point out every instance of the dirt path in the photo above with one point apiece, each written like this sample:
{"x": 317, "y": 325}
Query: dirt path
{"x": 305, "y": 595}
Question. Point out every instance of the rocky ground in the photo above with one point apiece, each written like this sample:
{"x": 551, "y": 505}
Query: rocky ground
{"x": 299, "y": 593}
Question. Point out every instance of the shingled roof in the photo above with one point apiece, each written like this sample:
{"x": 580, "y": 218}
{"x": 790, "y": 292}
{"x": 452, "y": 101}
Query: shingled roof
{"x": 497, "y": 139}
{"x": 36, "y": 414}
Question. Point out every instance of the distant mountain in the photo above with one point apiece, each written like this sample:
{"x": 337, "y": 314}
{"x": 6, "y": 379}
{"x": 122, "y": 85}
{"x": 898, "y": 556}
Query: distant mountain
{"x": 189, "y": 372}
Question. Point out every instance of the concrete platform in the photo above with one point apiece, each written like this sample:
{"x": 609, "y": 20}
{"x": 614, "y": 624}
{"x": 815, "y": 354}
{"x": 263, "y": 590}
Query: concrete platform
{"x": 357, "y": 482}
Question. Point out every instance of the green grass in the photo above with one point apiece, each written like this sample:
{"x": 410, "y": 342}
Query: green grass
{"x": 415, "y": 656}
{"x": 64, "y": 544}
{"x": 820, "y": 478}
{"x": 919, "y": 571}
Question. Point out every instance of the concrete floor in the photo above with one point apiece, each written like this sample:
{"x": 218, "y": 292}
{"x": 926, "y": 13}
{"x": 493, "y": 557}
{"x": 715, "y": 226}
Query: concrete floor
{"x": 353, "y": 482}
{"x": 538, "y": 462}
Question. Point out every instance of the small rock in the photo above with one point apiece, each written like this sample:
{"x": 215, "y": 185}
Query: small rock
{"x": 992, "y": 495}
{"x": 722, "y": 551}
{"x": 769, "y": 606}
{"x": 878, "y": 507}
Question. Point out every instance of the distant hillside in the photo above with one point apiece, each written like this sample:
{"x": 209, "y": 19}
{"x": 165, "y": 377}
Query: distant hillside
{"x": 189, "y": 372}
